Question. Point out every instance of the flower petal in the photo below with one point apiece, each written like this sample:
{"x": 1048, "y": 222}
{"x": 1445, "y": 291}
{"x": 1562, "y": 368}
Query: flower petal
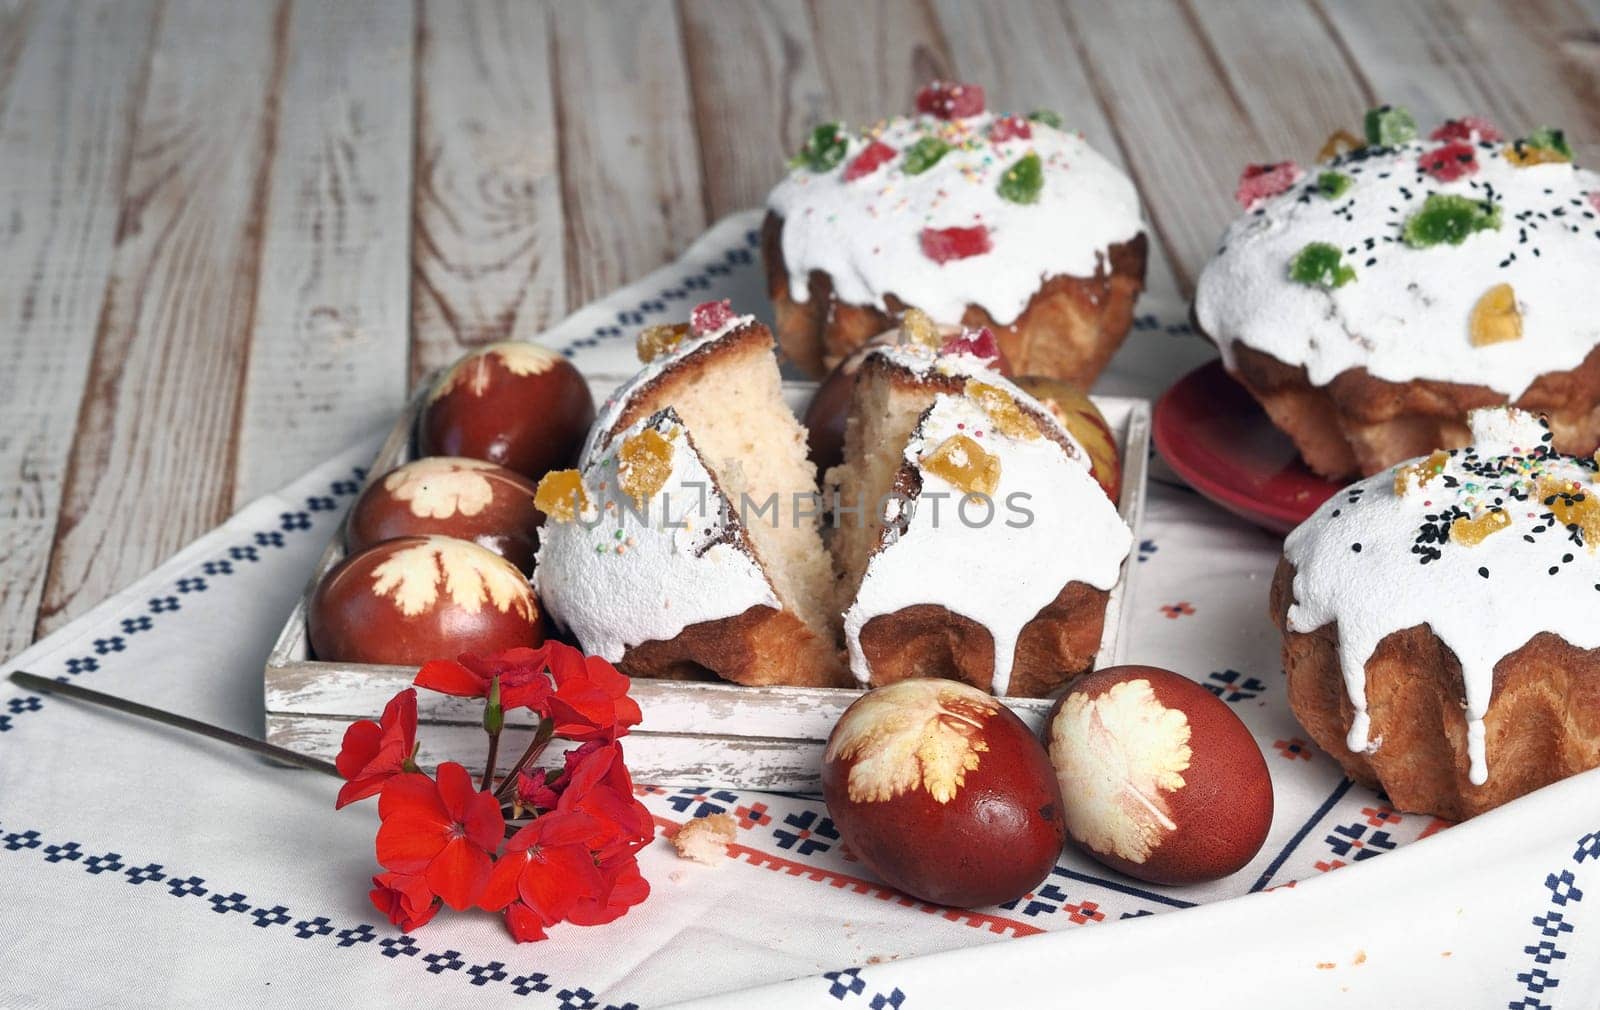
{"x": 459, "y": 873}
{"x": 501, "y": 888}
{"x": 451, "y": 678}
{"x": 556, "y": 878}
{"x": 408, "y": 840}
{"x": 484, "y": 824}
{"x": 523, "y": 924}
{"x": 359, "y": 746}
{"x": 412, "y": 790}
{"x": 456, "y": 790}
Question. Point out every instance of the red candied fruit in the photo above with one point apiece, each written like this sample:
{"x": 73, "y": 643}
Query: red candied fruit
{"x": 1450, "y": 162}
{"x": 709, "y": 317}
{"x": 980, "y": 343}
{"x": 873, "y": 157}
{"x": 945, "y": 244}
{"x": 950, "y": 99}
{"x": 1464, "y": 128}
{"x": 1257, "y": 182}
{"x": 1010, "y": 128}
{"x": 1594, "y": 199}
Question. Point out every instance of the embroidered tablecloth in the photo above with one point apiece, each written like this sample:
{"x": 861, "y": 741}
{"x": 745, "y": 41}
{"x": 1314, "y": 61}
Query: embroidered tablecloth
{"x": 140, "y": 865}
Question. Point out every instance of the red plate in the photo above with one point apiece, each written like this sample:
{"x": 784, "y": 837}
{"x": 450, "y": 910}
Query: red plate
{"x": 1218, "y": 438}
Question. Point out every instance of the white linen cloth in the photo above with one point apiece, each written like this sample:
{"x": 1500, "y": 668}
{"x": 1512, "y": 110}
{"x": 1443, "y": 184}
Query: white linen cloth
{"x": 140, "y": 865}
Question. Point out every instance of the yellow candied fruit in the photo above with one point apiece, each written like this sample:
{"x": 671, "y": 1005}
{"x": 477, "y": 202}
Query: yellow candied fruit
{"x": 644, "y": 464}
{"x": 1002, "y": 409}
{"x": 1525, "y": 155}
{"x": 964, "y": 463}
{"x": 920, "y": 329}
{"x": 1423, "y": 470}
{"x": 1338, "y": 142}
{"x": 655, "y": 341}
{"x": 1572, "y": 504}
{"x": 1470, "y": 532}
{"x": 1495, "y": 318}
{"x": 561, "y": 495}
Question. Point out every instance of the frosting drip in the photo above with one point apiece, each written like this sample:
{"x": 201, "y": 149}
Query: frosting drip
{"x": 866, "y": 233}
{"x": 1488, "y": 545}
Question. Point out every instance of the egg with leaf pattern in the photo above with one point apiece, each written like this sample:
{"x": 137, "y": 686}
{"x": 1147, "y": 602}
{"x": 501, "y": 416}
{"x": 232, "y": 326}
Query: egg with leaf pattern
{"x": 452, "y": 496}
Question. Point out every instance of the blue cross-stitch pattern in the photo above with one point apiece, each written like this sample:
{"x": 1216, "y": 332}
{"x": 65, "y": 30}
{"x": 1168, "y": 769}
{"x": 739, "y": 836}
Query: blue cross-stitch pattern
{"x": 1555, "y": 930}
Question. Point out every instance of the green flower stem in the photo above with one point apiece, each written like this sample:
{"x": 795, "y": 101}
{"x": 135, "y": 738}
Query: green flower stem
{"x": 536, "y": 746}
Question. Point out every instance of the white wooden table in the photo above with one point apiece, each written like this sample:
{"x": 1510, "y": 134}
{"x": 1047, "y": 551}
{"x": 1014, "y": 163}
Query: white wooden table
{"x": 232, "y": 232}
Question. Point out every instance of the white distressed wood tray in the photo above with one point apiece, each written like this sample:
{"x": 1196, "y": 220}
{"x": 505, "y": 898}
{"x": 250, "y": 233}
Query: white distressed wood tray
{"x": 693, "y": 734}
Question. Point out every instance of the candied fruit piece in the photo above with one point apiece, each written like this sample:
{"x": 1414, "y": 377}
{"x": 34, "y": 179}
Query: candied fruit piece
{"x": 1339, "y": 142}
{"x": 1010, "y": 128}
{"x": 945, "y": 244}
{"x": 824, "y": 149}
{"x": 964, "y": 463}
{"x": 1418, "y": 474}
{"x": 1049, "y": 117}
{"x": 950, "y": 99}
{"x": 872, "y": 157}
{"x": 1470, "y": 532}
{"x": 1573, "y": 504}
{"x": 1003, "y": 410}
{"x": 1544, "y": 146}
{"x": 980, "y": 343}
{"x": 1390, "y": 126}
{"x": 643, "y": 465}
{"x": 1258, "y": 182}
{"x": 1319, "y": 264}
{"x": 1466, "y": 128}
{"x": 709, "y": 317}
{"x": 1024, "y": 180}
{"x": 924, "y": 154}
{"x": 655, "y": 341}
{"x": 917, "y": 326}
{"x": 1333, "y": 184}
{"x": 1450, "y": 162}
{"x": 1495, "y": 318}
{"x": 561, "y": 495}
{"x": 1447, "y": 217}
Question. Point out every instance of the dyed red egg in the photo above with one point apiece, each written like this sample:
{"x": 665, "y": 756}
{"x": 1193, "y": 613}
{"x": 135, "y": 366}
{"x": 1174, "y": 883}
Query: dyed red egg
{"x": 450, "y": 496}
{"x": 406, "y": 601}
{"x": 1159, "y": 779}
{"x": 1073, "y": 409}
{"x": 517, "y": 404}
{"x": 944, "y": 793}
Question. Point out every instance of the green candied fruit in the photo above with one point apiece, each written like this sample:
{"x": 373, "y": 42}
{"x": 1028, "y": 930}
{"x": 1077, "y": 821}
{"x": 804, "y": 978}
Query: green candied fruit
{"x": 1550, "y": 138}
{"x": 824, "y": 150}
{"x": 1449, "y": 218}
{"x": 1390, "y": 126}
{"x": 1023, "y": 181}
{"x": 1333, "y": 185}
{"x": 924, "y": 154}
{"x": 1048, "y": 117}
{"x": 1320, "y": 265}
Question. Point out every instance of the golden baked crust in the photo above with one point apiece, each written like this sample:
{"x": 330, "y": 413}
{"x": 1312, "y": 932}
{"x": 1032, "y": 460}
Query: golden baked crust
{"x": 1359, "y": 425}
{"x": 1069, "y": 330}
{"x": 758, "y": 647}
{"x": 1543, "y": 722}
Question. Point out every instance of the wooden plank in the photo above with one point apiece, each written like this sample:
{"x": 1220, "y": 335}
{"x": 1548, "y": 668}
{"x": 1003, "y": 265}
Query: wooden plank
{"x": 64, "y": 142}
{"x": 152, "y": 464}
{"x": 16, "y": 24}
{"x": 757, "y": 88}
{"x": 487, "y": 247}
{"x": 874, "y": 56}
{"x": 630, "y": 162}
{"x": 328, "y": 348}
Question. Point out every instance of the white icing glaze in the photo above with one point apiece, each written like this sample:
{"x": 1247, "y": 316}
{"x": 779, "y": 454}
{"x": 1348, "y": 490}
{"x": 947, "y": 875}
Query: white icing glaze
{"x": 1408, "y": 572}
{"x": 610, "y": 411}
{"x": 1075, "y": 535}
{"x": 1405, "y": 316}
{"x": 865, "y": 233}
{"x": 665, "y": 578}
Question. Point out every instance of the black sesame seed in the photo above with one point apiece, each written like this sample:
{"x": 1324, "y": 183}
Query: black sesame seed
{"x": 1483, "y": 572}
{"x": 1356, "y": 548}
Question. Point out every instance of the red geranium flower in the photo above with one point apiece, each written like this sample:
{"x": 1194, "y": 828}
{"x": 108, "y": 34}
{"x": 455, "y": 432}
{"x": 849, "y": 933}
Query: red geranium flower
{"x": 625, "y": 887}
{"x": 547, "y": 866}
{"x": 523, "y": 923}
{"x": 442, "y": 831}
{"x": 599, "y": 785}
{"x": 405, "y": 899}
{"x": 375, "y": 752}
{"x": 523, "y": 683}
{"x": 591, "y": 698}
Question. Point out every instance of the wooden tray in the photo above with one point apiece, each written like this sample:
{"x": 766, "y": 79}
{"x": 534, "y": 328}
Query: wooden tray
{"x": 693, "y": 734}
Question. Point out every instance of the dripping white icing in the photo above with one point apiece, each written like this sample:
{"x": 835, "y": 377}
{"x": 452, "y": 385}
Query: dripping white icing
{"x": 865, "y": 234}
{"x": 1409, "y": 572}
{"x": 1406, "y": 315}
{"x": 1075, "y": 535}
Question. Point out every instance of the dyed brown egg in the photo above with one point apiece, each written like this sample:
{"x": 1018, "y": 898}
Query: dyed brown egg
{"x": 450, "y": 496}
{"x": 1078, "y": 414}
{"x": 944, "y": 793}
{"x": 517, "y": 404}
{"x": 1159, "y": 779}
{"x": 406, "y": 601}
